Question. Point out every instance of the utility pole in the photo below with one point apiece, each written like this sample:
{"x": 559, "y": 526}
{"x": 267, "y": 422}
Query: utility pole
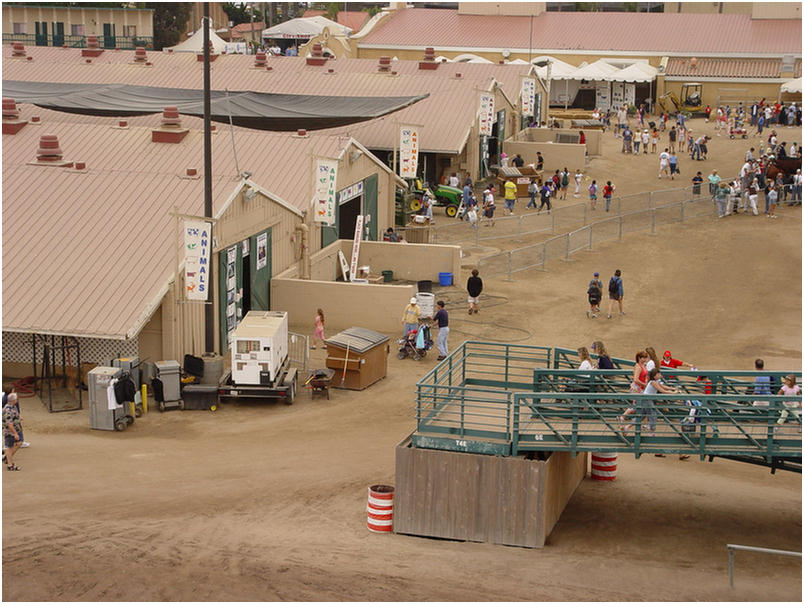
{"x": 209, "y": 310}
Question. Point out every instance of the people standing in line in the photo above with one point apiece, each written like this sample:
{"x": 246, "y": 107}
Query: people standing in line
{"x": 654, "y": 140}
{"x": 474, "y": 286}
{"x": 753, "y": 195}
{"x": 410, "y": 316}
{"x": 616, "y": 292}
{"x": 510, "y": 196}
{"x": 593, "y": 194}
{"x": 442, "y": 319}
{"x": 627, "y": 136}
{"x": 608, "y": 191}
{"x": 645, "y": 140}
{"x": 578, "y": 179}
{"x": 795, "y": 198}
{"x": 594, "y": 293}
{"x": 722, "y": 199}
{"x": 318, "y": 333}
{"x": 714, "y": 181}
{"x": 637, "y": 140}
{"x": 12, "y": 431}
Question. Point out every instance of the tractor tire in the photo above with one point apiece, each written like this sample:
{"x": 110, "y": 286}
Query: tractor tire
{"x": 451, "y": 211}
{"x": 415, "y": 204}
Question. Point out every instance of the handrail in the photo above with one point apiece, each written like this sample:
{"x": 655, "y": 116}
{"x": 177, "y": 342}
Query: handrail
{"x": 730, "y": 547}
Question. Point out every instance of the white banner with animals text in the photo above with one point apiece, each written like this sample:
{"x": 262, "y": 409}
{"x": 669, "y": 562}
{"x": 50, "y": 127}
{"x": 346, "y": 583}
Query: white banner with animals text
{"x": 486, "y": 113}
{"x": 326, "y": 173}
{"x": 528, "y": 96}
{"x": 197, "y": 237}
{"x": 408, "y": 151}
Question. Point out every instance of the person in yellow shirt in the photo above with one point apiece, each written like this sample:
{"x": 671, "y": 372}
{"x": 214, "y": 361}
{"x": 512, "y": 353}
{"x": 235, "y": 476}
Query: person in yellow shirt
{"x": 411, "y": 316}
{"x": 510, "y": 196}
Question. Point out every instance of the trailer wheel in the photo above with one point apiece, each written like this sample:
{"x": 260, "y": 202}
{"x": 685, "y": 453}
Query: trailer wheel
{"x": 120, "y": 425}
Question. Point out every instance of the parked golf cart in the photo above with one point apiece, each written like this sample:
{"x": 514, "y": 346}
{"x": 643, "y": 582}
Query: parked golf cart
{"x": 444, "y": 196}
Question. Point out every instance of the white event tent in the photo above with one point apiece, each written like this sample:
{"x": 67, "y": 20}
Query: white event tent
{"x": 195, "y": 43}
{"x": 792, "y": 86}
{"x": 304, "y": 28}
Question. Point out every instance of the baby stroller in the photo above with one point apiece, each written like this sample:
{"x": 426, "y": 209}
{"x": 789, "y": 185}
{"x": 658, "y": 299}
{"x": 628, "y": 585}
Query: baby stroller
{"x": 416, "y": 343}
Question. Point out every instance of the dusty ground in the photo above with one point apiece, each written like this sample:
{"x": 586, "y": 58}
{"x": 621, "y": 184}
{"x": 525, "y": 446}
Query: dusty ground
{"x": 267, "y": 502}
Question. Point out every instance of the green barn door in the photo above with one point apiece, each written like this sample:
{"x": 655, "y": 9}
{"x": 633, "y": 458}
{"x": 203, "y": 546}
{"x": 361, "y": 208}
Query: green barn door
{"x": 260, "y": 259}
{"x": 230, "y": 267}
{"x": 370, "y": 204}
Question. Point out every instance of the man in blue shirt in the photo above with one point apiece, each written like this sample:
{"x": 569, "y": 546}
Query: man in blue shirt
{"x": 762, "y": 384}
{"x": 616, "y": 292}
{"x": 442, "y": 318}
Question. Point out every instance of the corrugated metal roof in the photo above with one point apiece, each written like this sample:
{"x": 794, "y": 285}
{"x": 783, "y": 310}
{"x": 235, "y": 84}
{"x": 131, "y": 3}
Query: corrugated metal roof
{"x": 349, "y": 18}
{"x": 445, "y": 116}
{"x": 87, "y": 253}
{"x": 605, "y": 32}
{"x": 707, "y": 67}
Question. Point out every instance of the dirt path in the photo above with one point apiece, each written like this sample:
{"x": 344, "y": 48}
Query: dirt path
{"x": 267, "y": 502}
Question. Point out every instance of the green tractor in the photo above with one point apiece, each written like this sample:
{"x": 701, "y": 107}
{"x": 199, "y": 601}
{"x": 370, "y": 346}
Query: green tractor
{"x": 444, "y": 196}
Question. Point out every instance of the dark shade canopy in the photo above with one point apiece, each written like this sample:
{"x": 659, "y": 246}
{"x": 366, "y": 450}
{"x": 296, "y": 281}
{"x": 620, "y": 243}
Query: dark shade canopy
{"x": 257, "y": 110}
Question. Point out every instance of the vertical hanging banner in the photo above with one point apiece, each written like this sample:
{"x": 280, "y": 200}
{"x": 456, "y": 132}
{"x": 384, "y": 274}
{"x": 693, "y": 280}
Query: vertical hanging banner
{"x": 326, "y": 174}
{"x": 486, "y": 113}
{"x": 356, "y": 247}
{"x": 528, "y": 96}
{"x": 197, "y": 238}
{"x": 408, "y": 151}
{"x": 602, "y": 94}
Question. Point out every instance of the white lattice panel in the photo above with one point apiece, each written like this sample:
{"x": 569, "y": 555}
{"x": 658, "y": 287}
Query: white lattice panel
{"x": 17, "y": 348}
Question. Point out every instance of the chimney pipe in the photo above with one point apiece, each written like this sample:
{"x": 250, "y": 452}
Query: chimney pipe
{"x": 259, "y": 59}
{"x": 11, "y": 117}
{"x": 317, "y": 57}
{"x": 385, "y": 64}
{"x": 49, "y": 150}
{"x": 170, "y": 130}
{"x": 429, "y": 61}
{"x": 93, "y": 48}
{"x": 17, "y": 49}
{"x": 140, "y": 56}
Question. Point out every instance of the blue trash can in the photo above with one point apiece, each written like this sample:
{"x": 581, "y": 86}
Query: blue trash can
{"x": 444, "y": 279}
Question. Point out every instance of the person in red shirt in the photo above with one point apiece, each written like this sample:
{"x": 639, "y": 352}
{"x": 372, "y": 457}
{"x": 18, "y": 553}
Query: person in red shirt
{"x": 669, "y": 361}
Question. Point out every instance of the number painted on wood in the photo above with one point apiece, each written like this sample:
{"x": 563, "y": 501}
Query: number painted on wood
{"x": 461, "y": 443}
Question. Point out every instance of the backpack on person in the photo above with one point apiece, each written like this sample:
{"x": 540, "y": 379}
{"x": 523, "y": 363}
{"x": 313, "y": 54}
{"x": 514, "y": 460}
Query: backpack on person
{"x": 594, "y": 292}
{"x": 564, "y": 179}
{"x": 614, "y": 286}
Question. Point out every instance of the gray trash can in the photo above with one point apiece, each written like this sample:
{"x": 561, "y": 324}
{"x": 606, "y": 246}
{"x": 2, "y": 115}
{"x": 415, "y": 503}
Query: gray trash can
{"x": 100, "y": 416}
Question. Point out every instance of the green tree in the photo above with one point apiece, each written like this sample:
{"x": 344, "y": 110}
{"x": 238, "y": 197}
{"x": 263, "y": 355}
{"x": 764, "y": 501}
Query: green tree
{"x": 333, "y": 8}
{"x": 170, "y": 20}
{"x": 239, "y": 13}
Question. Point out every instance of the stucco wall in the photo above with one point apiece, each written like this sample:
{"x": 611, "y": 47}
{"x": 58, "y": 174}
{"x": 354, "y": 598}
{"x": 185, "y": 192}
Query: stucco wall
{"x": 593, "y": 137}
{"x": 711, "y": 90}
{"x": 557, "y": 156}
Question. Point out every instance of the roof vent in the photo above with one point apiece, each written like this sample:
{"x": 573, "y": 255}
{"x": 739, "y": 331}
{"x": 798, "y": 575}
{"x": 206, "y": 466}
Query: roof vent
{"x": 89, "y": 61}
{"x": 259, "y": 59}
{"x": 170, "y": 131}
{"x": 269, "y": 68}
{"x": 49, "y": 153}
{"x": 385, "y": 64}
{"x": 29, "y": 58}
{"x": 170, "y": 51}
{"x": 330, "y": 71}
{"x": 191, "y": 172}
{"x": 35, "y": 119}
{"x": 300, "y": 133}
{"x": 11, "y": 117}
{"x": 393, "y": 73}
{"x": 93, "y": 48}
{"x": 17, "y": 49}
{"x": 140, "y": 56}
{"x": 429, "y": 61}
{"x": 317, "y": 57}
{"x": 458, "y": 75}
{"x": 81, "y": 166}
{"x": 122, "y": 124}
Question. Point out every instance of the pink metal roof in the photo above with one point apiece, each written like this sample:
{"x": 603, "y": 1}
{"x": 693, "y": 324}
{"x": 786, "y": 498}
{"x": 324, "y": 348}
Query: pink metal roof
{"x": 708, "y": 67}
{"x": 605, "y": 32}
{"x": 89, "y": 253}
{"x": 445, "y": 115}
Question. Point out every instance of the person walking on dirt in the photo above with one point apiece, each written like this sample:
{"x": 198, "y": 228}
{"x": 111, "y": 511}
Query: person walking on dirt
{"x": 12, "y": 431}
{"x": 616, "y": 292}
{"x": 510, "y": 196}
{"x": 474, "y": 285}
{"x": 608, "y": 191}
{"x": 545, "y": 194}
{"x": 594, "y": 293}
{"x": 565, "y": 176}
{"x": 664, "y": 163}
{"x": 442, "y": 319}
{"x": 593, "y": 194}
{"x": 533, "y": 188}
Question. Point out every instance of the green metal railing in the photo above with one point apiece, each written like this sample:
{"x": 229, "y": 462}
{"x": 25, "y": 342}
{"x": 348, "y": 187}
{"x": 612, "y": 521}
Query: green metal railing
{"x": 506, "y": 399}
{"x": 122, "y": 42}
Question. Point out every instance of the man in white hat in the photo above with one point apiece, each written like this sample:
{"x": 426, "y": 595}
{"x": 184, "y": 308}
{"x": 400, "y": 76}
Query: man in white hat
{"x": 410, "y": 318}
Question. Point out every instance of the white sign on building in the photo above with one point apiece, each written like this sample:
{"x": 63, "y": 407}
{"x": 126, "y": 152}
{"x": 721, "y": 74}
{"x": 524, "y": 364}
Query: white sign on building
{"x": 197, "y": 238}
{"x": 528, "y": 96}
{"x": 408, "y": 151}
{"x": 326, "y": 174}
{"x": 486, "y": 114}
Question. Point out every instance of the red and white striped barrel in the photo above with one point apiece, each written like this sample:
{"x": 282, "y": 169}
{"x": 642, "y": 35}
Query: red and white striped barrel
{"x": 604, "y": 466}
{"x": 380, "y": 508}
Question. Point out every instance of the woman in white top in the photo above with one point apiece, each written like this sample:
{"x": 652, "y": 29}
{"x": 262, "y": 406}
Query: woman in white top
{"x": 653, "y": 360}
{"x": 586, "y": 365}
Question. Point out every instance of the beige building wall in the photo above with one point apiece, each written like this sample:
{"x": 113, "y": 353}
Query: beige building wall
{"x": 557, "y": 156}
{"x": 91, "y": 18}
{"x": 729, "y": 92}
{"x": 594, "y": 138}
{"x": 776, "y": 10}
{"x": 741, "y": 8}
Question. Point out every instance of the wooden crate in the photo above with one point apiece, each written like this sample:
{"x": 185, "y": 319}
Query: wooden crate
{"x": 485, "y": 498}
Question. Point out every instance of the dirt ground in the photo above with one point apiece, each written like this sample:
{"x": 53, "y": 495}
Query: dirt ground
{"x": 267, "y": 502}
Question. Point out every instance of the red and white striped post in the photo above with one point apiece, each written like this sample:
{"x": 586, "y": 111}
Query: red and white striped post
{"x": 604, "y": 466}
{"x": 380, "y": 508}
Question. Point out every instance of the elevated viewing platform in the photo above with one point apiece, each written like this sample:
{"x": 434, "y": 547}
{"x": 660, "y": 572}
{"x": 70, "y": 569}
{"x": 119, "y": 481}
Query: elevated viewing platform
{"x": 510, "y": 400}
